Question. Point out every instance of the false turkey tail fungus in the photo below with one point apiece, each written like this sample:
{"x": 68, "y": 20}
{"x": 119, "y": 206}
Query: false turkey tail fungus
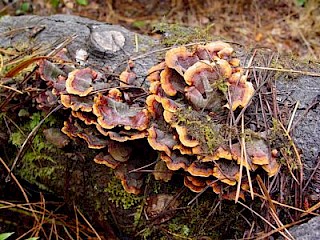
{"x": 183, "y": 118}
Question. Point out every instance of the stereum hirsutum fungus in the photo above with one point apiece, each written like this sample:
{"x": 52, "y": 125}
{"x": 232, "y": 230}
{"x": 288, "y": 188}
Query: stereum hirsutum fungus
{"x": 184, "y": 117}
{"x": 191, "y": 94}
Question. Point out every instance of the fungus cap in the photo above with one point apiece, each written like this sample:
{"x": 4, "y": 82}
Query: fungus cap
{"x": 79, "y": 81}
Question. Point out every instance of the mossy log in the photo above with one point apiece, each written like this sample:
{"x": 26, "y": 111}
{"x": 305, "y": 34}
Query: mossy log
{"x": 70, "y": 172}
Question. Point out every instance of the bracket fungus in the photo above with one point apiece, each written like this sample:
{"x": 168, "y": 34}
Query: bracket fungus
{"x": 189, "y": 97}
{"x": 183, "y": 118}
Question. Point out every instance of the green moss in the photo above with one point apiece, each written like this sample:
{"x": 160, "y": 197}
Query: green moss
{"x": 118, "y": 196}
{"x": 176, "y": 34}
{"x": 37, "y": 164}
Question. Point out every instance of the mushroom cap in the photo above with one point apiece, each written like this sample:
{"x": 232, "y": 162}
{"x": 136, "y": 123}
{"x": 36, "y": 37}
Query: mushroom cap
{"x": 213, "y": 49}
{"x": 199, "y": 169}
{"x": 72, "y": 129}
{"x": 87, "y": 117}
{"x": 226, "y": 172}
{"x": 171, "y": 82}
{"x": 119, "y": 151}
{"x": 200, "y": 75}
{"x": 272, "y": 168}
{"x": 180, "y": 59}
{"x": 154, "y": 72}
{"x": 194, "y": 184}
{"x": 184, "y": 138}
{"x": 236, "y": 155}
{"x": 107, "y": 160}
{"x": 222, "y": 152}
{"x": 215, "y": 185}
{"x": 93, "y": 141}
{"x": 112, "y": 113}
{"x": 154, "y": 106}
{"x": 161, "y": 172}
{"x": 169, "y": 104}
{"x": 241, "y": 94}
{"x": 160, "y": 141}
{"x": 183, "y": 149}
{"x": 76, "y": 103}
{"x": 79, "y": 81}
{"x": 175, "y": 162}
{"x": 258, "y": 151}
{"x": 127, "y": 77}
{"x": 131, "y": 182}
{"x": 48, "y": 71}
{"x": 121, "y": 136}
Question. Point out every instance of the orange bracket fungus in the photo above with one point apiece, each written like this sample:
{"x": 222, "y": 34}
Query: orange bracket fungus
{"x": 182, "y": 119}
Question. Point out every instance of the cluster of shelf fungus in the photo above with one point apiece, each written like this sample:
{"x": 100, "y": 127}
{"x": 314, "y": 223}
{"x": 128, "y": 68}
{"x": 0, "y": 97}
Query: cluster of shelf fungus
{"x": 180, "y": 122}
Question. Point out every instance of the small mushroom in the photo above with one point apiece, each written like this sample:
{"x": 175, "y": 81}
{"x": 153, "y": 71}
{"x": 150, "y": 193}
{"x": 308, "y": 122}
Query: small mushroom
{"x": 131, "y": 181}
{"x": 226, "y": 172}
{"x": 76, "y": 103}
{"x": 215, "y": 185}
{"x": 185, "y": 138}
{"x": 127, "y": 77}
{"x": 175, "y": 162}
{"x": 194, "y": 184}
{"x": 160, "y": 141}
{"x": 161, "y": 172}
{"x": 93, "y": 141}
{"x": 121, "y": 135}
{"x": 154, "y": 72}
{"x": 171, "y": 82}
{"x": 79, "y": 81}
{"x": 199, "y": 169}
{"x": 241, "y": 94}
{"x": 112, "y": 113}
{"x": 272, "y": 167}
{"x": 217, "y": 48}
{"x": 49, "y": 72}
{"x": 87, "y": 117}
{"x": 107, "y": 160}
{"x": 180, "y": 59}
{"x": 119, "y": 151}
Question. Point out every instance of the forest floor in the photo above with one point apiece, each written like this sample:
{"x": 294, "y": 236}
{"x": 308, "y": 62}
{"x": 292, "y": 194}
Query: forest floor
{"x": 288, "y": 27}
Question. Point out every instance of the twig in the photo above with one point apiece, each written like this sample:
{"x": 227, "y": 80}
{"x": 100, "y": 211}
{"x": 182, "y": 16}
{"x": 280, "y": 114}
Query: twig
{"x": 30, "y": 136}
{"x": 89, "y": 224}
{"x": 292, "y": 116}
{"x": 272, "y": 208}
{"x": 21, "y": 189}
{"x": 269, "y": 223}
{"x": 307, "y": 44}
{"x": 77, "y": 222}
{"x": 313, "y": 172}
{"x": 315, "y": 101}
{"x": 314, "y": 74}
{"x": 266, "y": 235}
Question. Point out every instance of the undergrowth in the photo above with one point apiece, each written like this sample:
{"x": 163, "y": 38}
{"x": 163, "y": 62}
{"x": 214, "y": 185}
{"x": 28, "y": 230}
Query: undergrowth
{"x": 37, "y": 164}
